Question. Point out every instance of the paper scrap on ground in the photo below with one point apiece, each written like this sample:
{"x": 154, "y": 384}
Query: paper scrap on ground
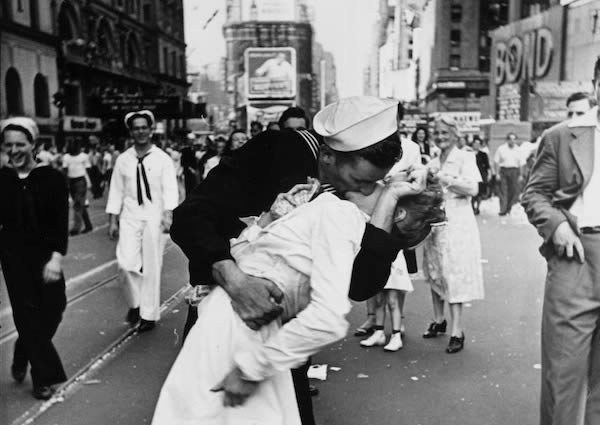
{"x": 362, "y": 376}
{"x": 537, "y": 366}
{"x": 414, "y": 378}
{"x": 335, "y": 368}
{"x": 318, "y": 371}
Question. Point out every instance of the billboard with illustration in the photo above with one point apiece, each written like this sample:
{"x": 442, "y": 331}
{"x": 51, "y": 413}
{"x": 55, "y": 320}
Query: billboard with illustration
{"x": 271, "y": 72}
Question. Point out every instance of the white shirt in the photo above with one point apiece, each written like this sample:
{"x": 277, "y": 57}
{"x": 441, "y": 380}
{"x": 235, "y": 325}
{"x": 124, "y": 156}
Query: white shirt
{"x": 45, "y": 157}
{"x": 314, "y": 244}
{"x": 76, "y": 165}
{"x": 507, "y": 157}
{"x": 122, "y": 196}
{"x": 587, "y": 205}
{"x": 411, "y": 157}
{"x": 527, "y": 148}
{"x": 459, "y": 164}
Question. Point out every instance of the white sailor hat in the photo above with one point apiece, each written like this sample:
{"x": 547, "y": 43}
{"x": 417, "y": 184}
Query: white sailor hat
{"x": 354, "y": 123}
{"x": 24, "y": 124}
{"x": 146, "y": 114}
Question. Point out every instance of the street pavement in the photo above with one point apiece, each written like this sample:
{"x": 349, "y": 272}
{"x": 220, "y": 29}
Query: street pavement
{"x": 117, "y": 374}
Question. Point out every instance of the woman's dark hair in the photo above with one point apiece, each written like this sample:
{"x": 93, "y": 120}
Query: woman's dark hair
{"x": 74, "y": 147}
{"x": 414, "y": 135}
{"x": 237, "y": 130}
{"x": 293, "y": 112}
{"x": 272, "y": 124}
{"x": 423, "y": 211}
{"x": 383, "y": 154}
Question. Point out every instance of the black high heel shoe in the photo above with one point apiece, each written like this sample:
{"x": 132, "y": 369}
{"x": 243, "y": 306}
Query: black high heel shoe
{"x": 435, "y": 329}
{"x": 456, "y": 344}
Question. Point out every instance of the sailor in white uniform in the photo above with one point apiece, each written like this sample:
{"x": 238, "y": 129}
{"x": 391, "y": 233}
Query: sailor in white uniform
{"x": 143, "y": 193}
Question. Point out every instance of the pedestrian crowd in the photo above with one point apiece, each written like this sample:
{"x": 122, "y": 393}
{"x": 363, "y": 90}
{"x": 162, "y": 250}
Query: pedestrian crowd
{"x": 283, "y": 229}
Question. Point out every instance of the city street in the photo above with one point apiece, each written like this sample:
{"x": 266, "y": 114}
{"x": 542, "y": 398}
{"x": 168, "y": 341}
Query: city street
{"x": 116, "y": 374}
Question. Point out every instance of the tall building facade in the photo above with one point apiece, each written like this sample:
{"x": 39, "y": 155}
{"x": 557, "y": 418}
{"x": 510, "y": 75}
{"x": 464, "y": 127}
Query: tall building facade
{"x": 324, "y": 79}
{"x": 454, "y": 51}
{"x": 94, "y": 59}
{"x": 539, "y": 60}
{"x": 397, "y": 67}
{"x": 117, "y": 52}
{"x": 268, "y": 24}
{"x": 28, "y": 68}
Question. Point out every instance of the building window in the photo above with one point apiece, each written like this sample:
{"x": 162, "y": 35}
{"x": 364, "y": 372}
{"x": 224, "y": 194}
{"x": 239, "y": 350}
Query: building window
{"x": 20, "y": 7}
{"x": 455, "y": 38}
{"x": 456, "y": 13}
{"x": 182, "y": 66}
{"x": 34, "y": 13}
{"x": 67, "y": 22}
{"x": 174, "y": 64}
{"x": 132, "y": 52}
{"x": 166, "y": 60}
{"x": 41, "y": 96}
{"x": 14, "y": 93}
{"x": 104, "y": 38}
{"x": 484, "y": 63}
{"x": 120, "y": 3}
{"x": 410, "y": 54}
{"x": 454, "y": 62}
{"x": 147, "y": 12}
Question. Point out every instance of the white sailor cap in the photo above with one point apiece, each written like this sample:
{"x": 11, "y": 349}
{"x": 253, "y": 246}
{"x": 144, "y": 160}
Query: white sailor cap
{"x": 354, "y": 123}
{"x": 146, "y": 114}
{"x": 23, "y": 124}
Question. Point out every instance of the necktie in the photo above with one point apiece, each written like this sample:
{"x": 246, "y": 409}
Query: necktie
{"x": 140, "y": 166}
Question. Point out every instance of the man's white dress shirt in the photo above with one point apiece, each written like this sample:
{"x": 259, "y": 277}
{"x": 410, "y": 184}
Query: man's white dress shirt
{"x": 587, "y": 205}
{"x": 507, "y": 157}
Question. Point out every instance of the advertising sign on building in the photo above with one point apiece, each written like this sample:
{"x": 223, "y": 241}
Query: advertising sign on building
{"x": 411, "y": 121}
{"x": 163, "y": 106}
{"x": 72, "y": 124}
{"x": 271, "y": 72}
{"x": 467, "y": 122}
{"x": 528, "y": 49}
{"x": 269, "y": 10}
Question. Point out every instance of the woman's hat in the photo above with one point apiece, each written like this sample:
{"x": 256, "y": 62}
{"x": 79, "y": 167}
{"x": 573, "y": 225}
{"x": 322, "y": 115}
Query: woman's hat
{"x": 146, "y": 114}
{"x": 24, "y": 124}
{"x": 354, "y": 123}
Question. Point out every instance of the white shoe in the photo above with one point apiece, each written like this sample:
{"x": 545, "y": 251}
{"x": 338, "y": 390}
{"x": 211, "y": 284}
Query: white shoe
{"x": 395, "y": 343}
{"x": 378, "y": 338}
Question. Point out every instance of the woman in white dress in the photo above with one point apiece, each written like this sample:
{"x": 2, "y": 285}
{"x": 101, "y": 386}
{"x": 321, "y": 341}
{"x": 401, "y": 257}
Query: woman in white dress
{"x": 309, "y": 254}
{"x": 452, "y": 254}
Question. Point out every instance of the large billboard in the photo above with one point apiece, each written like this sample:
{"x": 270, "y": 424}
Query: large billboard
{"x": 529, "y": 49}
{"x": 271, "y": 72}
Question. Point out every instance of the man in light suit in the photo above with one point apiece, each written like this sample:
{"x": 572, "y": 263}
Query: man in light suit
{"x": 562, "y": 200}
